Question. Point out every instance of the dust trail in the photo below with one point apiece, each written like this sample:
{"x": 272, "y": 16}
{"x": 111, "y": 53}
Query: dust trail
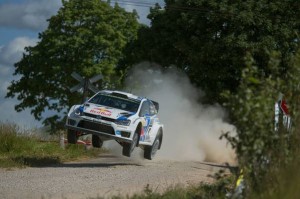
{"x": 192, "y": 130}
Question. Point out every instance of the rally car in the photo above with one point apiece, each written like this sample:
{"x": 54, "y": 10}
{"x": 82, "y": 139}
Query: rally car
{"x": 114, "y": 115}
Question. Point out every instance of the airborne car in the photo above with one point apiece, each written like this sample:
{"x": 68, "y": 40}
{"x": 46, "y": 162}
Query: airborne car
{"x": 114, "y": 115}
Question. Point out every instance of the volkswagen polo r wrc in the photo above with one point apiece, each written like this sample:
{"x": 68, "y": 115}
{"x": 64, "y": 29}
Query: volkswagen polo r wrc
{"x": 114, "y": 115}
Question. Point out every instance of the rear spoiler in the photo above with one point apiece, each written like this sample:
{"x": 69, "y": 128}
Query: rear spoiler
{"x": 155, "y": 104}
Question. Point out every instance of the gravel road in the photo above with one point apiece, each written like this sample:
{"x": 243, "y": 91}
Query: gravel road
{"x": 105, "y": 176}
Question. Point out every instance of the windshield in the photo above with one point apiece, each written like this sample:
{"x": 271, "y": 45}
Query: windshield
{"x": 129, "y": 105}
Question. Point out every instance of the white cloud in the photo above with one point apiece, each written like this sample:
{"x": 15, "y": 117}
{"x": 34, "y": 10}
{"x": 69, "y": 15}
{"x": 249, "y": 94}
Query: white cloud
{"x": 31, "y": 14}
{"x": 3, "y": 87}
{"x": 10, "y": 54}
{"x": 13, "y": 51}
{"x": 4, "y": 70}
{"x": 23, "y": 119}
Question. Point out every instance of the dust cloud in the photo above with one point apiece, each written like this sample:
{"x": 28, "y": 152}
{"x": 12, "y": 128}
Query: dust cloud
{"x": 191, "y": 130}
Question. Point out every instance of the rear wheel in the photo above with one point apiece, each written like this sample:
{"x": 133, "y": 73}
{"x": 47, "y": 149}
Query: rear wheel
{"x": 72, "y": 137}
{"x": 128, "y": 147}
{"x": 150, "y": 151}
{"x": 96, "y": 141}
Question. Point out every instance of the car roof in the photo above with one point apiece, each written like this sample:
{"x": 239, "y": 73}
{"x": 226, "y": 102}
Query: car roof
{"x": 122, "y": 93}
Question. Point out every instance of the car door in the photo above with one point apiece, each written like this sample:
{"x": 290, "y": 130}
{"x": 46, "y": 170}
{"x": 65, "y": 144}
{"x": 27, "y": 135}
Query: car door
{"x": 147, "y": 114}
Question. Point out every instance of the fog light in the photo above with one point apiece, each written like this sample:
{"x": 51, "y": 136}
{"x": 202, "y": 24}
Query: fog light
{"x": 125, "y": 134}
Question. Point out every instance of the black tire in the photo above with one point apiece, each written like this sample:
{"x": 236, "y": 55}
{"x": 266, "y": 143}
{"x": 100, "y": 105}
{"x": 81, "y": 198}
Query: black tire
{"x": 96, "y": 141}
{"x": 150, "y": 151}
{"x": 72, "y": 137}
{"x": 129, "y": 147}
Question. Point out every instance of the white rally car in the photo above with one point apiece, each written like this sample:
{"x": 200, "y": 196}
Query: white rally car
{"x": 113, "y": 115}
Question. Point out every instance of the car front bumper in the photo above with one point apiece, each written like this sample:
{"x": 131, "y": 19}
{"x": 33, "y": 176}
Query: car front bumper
{"x": 109, "y": 130}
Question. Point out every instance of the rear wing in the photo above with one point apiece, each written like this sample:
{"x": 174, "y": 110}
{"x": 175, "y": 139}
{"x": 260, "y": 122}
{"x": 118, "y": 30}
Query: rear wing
{"x": 156, "y": 105}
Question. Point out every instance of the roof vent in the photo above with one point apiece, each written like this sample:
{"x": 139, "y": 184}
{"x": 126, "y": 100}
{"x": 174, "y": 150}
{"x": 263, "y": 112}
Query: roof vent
{"x": 119, "y": 95}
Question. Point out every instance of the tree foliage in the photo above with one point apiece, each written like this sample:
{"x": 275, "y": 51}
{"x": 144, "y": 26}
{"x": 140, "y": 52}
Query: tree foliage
{"x": 87, "y": 37}
{"x": 210, "y": 38}
{"x": 263, "y": 151}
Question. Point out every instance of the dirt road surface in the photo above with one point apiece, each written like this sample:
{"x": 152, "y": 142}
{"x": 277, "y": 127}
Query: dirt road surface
{"x": 106, "y": 176}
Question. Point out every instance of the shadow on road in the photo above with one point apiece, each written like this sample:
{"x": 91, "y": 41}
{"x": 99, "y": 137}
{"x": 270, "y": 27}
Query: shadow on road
{"x": 93, "y": 165}
{"x": 104, "y": 160}
{"x": 216, "y": 167}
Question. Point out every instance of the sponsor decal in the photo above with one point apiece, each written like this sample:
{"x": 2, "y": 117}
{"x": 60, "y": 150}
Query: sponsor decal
{"x": 101, "y": 111}
{"x": 143, "y": 122}
{"x": 142, "y": 136}
{"x": 122, "y": 118}
{"x": 145, "y": 128}
{"x": 146, "y": 124}
{"x": 124, "y": 115}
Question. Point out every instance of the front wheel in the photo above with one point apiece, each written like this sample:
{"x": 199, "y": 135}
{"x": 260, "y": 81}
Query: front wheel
{"x": 128, "y": 147}
{"x": 72, "y": 137}
{"x": 96, "y": 141}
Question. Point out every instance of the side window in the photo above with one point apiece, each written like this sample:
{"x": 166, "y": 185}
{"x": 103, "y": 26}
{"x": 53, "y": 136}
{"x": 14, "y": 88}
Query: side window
{"x": 152, "y": 109}
{"x": 145, "y": 109}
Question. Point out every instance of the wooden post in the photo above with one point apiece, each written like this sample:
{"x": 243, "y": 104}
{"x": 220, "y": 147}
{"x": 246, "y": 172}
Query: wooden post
{"x": 61, "y": 139}
{"x": 85, "y": 89}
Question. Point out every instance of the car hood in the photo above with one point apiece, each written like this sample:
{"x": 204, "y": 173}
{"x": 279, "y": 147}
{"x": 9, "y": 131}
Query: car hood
{"x": 106, "y": 111}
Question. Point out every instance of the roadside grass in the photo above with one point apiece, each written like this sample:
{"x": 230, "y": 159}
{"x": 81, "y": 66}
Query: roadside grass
{"x": 288, "y": 179}
{"x": 284, "y": 183}
{"x": 216, "y": 190}
{"x": 19, "y": 148}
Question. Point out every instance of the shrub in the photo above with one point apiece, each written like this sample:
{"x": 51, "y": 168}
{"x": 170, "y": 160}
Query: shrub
{"x": 263, "y": 152}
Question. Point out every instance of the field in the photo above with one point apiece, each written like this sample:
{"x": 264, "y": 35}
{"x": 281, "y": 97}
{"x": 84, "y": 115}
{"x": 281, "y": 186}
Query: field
{"x": 21, "y": 148}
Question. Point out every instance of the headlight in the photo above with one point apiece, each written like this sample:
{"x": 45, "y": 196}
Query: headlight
{"x": 123, "y": 122}
{"x": 79, "y": 111}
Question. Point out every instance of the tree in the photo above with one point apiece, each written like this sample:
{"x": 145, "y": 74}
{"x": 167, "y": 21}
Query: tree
{"x": 210, "y": 38}
{"x": 87, "y": 37}
{"x": 263, "y": 151}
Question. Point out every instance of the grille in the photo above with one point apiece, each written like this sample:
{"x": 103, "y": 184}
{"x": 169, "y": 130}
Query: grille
{"x": 96, "y": 127}
{"x": 71, "y": 122}
{"x": 90, "y": 115}
{"x": 100, "y": 117}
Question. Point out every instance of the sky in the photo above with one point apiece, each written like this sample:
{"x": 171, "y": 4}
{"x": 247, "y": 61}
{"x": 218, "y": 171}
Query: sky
{"x": 20, "y": 23}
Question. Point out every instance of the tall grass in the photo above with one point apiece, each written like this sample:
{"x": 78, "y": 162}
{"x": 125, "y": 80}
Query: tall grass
{"x": 284, "y": 182}
{"x": 13, "y": 140}
{"x": 22, "y": 148}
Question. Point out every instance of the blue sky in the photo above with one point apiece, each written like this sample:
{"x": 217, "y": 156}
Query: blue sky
{"x": 20, "y": 23}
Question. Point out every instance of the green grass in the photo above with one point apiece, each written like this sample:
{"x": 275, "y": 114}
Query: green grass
{"x": 284, "y": 183}
{"x": 216, "y": 190}
{"x": 20, "y": 148}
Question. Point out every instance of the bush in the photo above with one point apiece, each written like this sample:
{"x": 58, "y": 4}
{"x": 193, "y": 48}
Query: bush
{"x": 264, "y": 153}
